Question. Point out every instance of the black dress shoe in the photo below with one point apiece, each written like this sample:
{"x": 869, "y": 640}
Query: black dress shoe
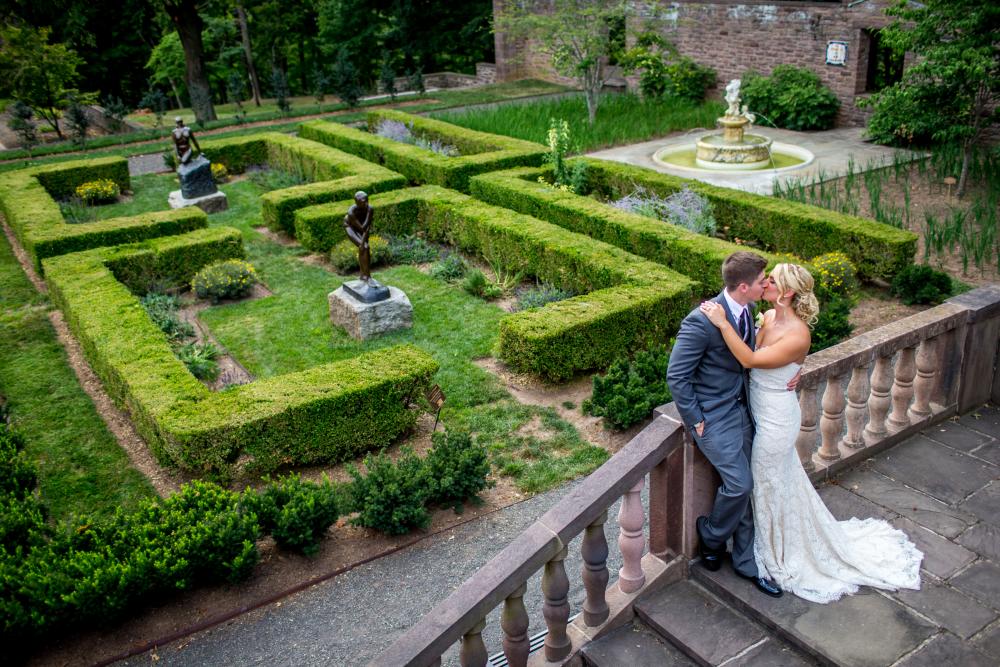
{"x": 765, "y": 586}
{"x": 710, "y": 558}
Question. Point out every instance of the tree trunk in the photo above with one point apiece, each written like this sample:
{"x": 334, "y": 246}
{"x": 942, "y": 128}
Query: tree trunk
{"x": 177, "y": 94}
{"x": 303, "y": 85}
{"x": 592, "y": 90}
{"x": 966, "y": 160}
{"x": 241, "y": 16}
{"x": 187, "y": 21}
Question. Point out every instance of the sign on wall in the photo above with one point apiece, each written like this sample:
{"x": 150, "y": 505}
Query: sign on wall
{"x": 836, "y": 53}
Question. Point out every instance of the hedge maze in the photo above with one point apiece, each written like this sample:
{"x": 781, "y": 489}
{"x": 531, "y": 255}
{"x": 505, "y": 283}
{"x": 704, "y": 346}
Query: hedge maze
{"x": 635, "y": 277}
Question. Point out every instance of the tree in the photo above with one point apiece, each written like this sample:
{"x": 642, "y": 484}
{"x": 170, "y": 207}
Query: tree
{"x": 23, "y": 124}
{"x": 38, "y": 73}
{"x": 345, "y": 80}
{"x": 77, "y": 119}
{"x": 387, "y": 77}
{"x": 575, "y": 34}
{"x": 952, "y": 91}
{"x": 188, "y": 23}
{"x": 155, "y": 101}
{"x": 241, "y": 18}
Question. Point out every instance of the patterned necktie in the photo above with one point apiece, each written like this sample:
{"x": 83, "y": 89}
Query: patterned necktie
{"x": 745, "y": 325}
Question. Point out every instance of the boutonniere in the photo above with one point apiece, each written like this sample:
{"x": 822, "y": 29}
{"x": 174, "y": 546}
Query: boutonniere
{"x": 758, "y": 320}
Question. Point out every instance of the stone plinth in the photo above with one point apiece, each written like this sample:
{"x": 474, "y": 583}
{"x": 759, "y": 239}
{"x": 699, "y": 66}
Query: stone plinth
{"x": 212, "y": 203}
{"x": 196, "y": 178}
{"x": 364, "y": 320}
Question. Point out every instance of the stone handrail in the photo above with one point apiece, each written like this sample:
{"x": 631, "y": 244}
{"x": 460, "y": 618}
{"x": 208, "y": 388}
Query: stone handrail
{"x": 877, "y": 389}
{"x": 503, "y": 580}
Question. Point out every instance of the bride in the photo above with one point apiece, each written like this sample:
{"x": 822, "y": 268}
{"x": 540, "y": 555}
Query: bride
{"x": 798, "y": 543}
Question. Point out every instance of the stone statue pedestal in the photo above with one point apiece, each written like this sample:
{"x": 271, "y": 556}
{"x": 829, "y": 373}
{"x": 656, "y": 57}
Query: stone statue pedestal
{"x": 363, "y": 320}
{"x": 196, "y": 178}
{"x": 212, "y": 203}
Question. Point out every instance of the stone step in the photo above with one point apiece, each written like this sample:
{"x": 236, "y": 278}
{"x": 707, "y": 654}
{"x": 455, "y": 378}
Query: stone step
{"x": 634, "y": 645}
{"x": 709, "y": 631}
{"x": 867, "y": 629}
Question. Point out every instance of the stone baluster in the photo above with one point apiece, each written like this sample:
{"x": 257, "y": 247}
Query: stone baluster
{"x": 923, "y": 384}
{"x": 631, "y": 541}
{"x": 473, "y": 650}
{"x": 902, "y": 390}
{"x": 831, "y": 424}
{"x": 514, "y": 622}
{"x": 857, "y": 406}
{"x": 879, "y": 401}
{"x": 555, "y": 608}
{"x": 806, "y": 442}
{"x": 594, "y": 550}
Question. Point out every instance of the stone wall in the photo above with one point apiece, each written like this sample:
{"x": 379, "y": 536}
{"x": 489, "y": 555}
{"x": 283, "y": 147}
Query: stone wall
{"x": 733, "y": 37}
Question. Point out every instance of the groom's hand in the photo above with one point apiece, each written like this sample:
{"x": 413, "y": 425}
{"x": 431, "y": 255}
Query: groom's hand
{"x": 794, "y": 382}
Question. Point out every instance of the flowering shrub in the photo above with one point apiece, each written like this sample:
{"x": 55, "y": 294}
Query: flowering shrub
{"x": 230, "y": 279}
{"x": 344, "y": 255}
{"x": 403, "y": 133}
{"x": 685, "y": 208}
{"x": 835, "y": 274}
{"x": 219, "y": 172}
{"x": 101, "y": 191}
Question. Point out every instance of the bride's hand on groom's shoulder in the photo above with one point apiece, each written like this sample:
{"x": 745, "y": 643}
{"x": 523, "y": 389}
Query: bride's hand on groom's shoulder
{"x": 714, "y": 312}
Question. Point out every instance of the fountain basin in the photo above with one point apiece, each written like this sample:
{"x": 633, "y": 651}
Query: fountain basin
{"x": 783, "y": 157}
{"x": 719, "y": 151}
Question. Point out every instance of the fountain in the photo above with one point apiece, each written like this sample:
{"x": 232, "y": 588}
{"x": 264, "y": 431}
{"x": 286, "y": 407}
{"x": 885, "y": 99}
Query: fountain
{"x": 734, "y": 149}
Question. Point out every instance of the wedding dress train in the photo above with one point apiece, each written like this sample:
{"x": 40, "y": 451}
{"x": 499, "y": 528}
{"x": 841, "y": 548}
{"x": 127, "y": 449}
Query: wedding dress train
{"x": 798, "y": 542}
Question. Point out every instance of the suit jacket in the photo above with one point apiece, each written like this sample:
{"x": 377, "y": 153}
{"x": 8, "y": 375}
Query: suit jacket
{"x": 704, "y": 377}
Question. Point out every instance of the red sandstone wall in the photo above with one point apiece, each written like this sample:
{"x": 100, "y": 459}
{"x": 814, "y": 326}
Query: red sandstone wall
{"x": 733, "y": 37}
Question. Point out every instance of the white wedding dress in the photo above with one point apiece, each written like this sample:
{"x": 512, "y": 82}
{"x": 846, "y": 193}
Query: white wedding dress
{"x": 798, "y": 543}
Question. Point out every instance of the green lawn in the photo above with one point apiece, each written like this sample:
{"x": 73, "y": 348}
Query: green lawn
{"x": 82, "y": 470}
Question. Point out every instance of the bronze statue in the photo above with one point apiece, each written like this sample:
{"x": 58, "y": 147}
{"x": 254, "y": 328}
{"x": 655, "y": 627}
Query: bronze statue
{"x": 183, "y": 138}
{"x": 358, "y": 226}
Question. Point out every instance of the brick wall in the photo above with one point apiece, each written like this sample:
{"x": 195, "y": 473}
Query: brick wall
{"x": 733, "y": 37}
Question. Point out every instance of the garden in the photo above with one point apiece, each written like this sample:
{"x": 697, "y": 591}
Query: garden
{"x": 182, "y": 422}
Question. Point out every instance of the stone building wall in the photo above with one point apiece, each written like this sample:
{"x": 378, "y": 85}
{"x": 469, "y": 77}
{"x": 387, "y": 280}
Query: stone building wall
{"x": 733, "y": 37}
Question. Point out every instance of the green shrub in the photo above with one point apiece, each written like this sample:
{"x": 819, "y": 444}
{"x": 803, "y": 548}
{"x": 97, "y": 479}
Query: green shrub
{"x": 538, "y": 296}
{"x": 834, "y": 275}
{"x": 297, "y": 513}
{"x": 344, "y": 255}
{"x": 457, "y": 468}
{"x": 200, "y": 360}
{"x": 477, "y": 284}
{"x": 832, "y": 325}
{"x": 792, "y": 97}
{"x": 101, "y": 191}
{"x": 228, "y": 279}
{"x": 920, "y": 283}
{"x": 412, "y": 249}
{"x": 689, "y": 80}
{"x": 162, "y": 309}
{"x": 451, "y": 268}
{"x": 390, "y": 498}
{"x": 631, "y": 388}
{"x": 17, "y": 475}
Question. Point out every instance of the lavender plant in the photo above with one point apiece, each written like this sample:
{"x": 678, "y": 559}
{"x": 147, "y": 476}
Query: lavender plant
{"x": 403, "y": 133}
{"x": 685, "y": 208}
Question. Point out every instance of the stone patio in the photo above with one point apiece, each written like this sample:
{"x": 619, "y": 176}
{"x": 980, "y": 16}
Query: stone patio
{"x": 832, "y": 148}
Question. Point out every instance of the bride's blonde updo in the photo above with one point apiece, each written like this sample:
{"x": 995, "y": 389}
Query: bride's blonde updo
{"x": 800, "y": 281}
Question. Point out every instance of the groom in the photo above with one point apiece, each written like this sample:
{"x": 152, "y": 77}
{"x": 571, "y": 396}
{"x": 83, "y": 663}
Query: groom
{"x": 710, "y": 389}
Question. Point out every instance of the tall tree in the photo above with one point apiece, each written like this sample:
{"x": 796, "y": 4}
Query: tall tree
{"x": 575, "y": 34}
{"x": 241, "y": 18}
{"x": 953, "y": 88}
{"x": 185, "y": 16}
{"x": 38, "y": 73}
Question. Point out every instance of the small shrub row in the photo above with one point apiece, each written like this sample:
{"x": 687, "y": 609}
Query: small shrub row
{"x": 631, "y": 388}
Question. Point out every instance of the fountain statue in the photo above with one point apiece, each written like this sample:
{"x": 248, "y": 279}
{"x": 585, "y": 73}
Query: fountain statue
{"x": 733, "y": 148}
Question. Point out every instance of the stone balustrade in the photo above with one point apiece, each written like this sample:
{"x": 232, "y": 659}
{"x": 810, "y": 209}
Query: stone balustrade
{"x": 858, "y": 397}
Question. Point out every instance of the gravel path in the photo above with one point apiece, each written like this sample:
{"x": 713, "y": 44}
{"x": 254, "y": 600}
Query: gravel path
{"x": 150, "y": 163}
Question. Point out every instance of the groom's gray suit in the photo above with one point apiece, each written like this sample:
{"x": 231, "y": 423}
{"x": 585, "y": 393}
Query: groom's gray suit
{"x": 708, "y": 384}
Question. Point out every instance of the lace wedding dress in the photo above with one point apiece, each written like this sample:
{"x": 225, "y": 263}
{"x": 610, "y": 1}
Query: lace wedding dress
{"x": 798, "y": 543}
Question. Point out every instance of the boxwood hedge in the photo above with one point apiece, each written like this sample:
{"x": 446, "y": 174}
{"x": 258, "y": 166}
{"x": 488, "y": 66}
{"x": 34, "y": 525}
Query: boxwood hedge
{"x": 329, "y": 413}
{"x": 480, "y": 151}
{"x": 626, "y": 302}
{"x": 28, "y": 201}
{"x": 335, "y": 174}
{"x": 877, "y": 250}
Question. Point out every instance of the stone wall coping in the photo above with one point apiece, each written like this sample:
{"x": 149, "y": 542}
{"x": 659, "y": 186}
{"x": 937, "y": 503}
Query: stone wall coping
{"x": 982, "y": 302}
{"x": 439, "y": 629}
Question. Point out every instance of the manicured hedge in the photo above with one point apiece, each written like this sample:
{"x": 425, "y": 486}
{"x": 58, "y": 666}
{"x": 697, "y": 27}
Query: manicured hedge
{"x": 336, "y": 174}
{"x": 480, "y": 152}
{"x": 877, "y": 250}
{"x": 626, "y": 303}
{"x": 329, "y": 413}
{"x": 694, "y": 255}
{"x": 27, "y": 199}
